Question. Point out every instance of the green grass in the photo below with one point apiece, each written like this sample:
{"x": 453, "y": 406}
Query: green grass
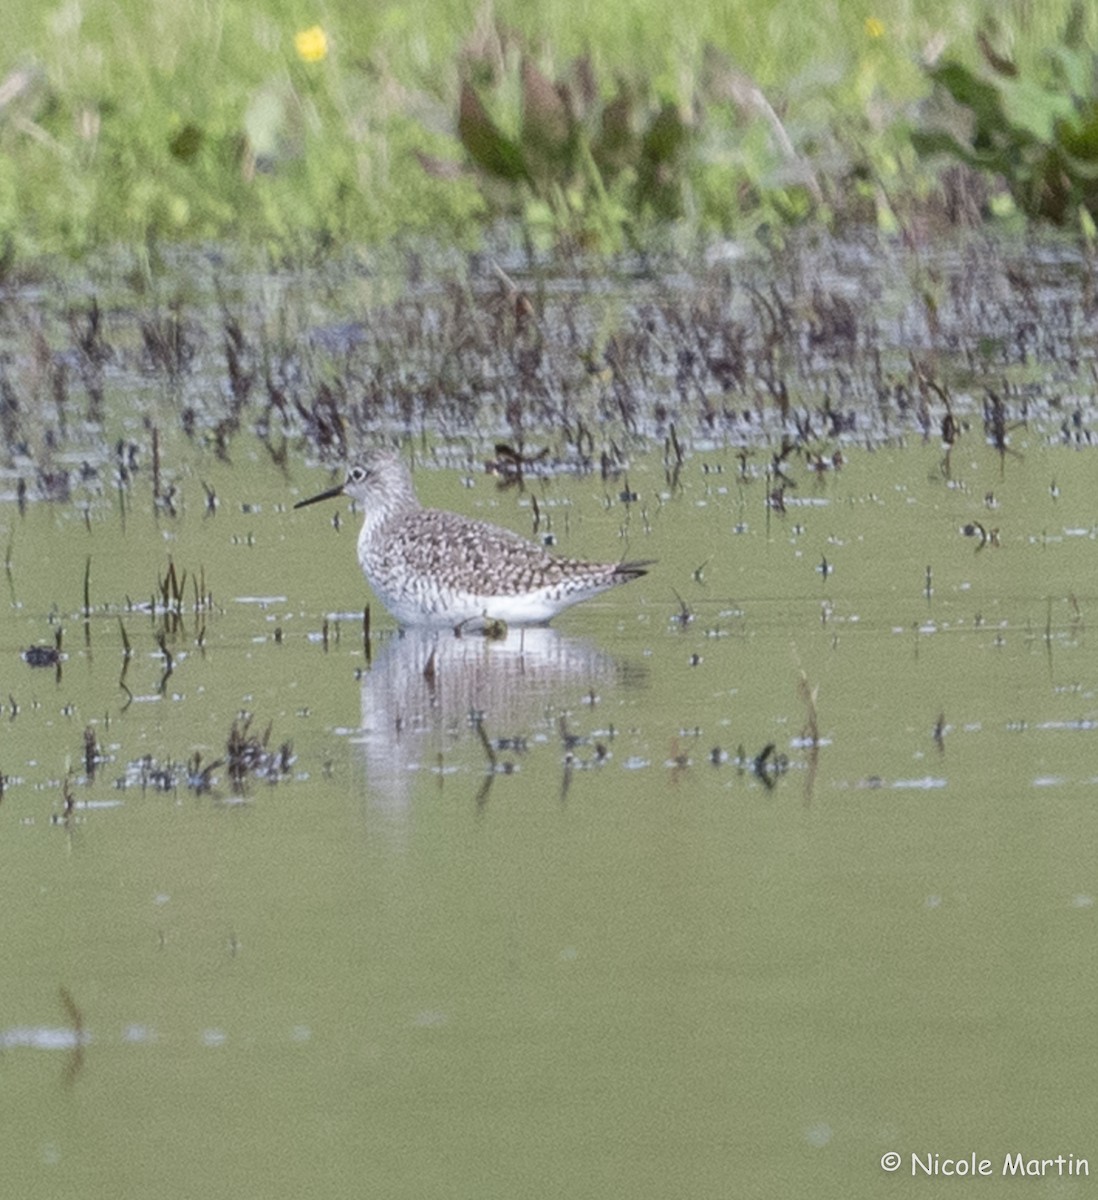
{"x": 146, "y": 120}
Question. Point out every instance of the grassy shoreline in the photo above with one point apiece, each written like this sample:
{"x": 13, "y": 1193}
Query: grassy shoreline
{"x": 135, "y": 123}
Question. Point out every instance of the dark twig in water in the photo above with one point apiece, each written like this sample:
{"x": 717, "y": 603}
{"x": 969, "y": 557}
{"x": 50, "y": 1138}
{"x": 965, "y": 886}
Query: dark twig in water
{"x": 496, "y": 766}
{"x": 510, "y": 464}
{"x": 1048, "y": 631}
{"x": 489, "y": 751}
{"x": 200, "y": 778}
{"x": 570, "y": 741}
{"x": 171, "y": 588}
{"x": 169, "y": 661}
{"x": 685, "y": 614}
{"x": 988, "y": 537}
{"x": 41, "y": 656}
{"x": 811, "y": 734}
{"x": 93, "y": 756}
{"x": 76, "y": 1020}
{"x": 766, "y": 766}
{"x": 248, "y": 755}
{"x": 939, "y": 733}
{"x": 68, "y": 803}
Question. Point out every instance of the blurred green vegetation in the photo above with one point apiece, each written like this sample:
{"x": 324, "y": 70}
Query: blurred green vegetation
{"x": 303, "y": 128}
{"x": 1034, "y": 127}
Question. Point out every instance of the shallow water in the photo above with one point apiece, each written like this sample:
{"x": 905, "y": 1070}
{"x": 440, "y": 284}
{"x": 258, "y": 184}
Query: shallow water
{"x": 732, "y": 881}
{"x": 620, "y": 961}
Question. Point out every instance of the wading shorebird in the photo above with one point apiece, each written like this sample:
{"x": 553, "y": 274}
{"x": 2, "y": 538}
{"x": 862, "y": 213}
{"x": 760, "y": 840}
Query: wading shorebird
{"x": 432, "y": 567}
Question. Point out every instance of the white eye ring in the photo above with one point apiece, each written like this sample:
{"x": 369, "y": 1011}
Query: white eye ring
{"x": 358, "y": 474}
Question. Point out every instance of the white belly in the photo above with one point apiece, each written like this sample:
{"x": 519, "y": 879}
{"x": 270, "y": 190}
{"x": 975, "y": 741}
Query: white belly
{"x": 448, "y": 609}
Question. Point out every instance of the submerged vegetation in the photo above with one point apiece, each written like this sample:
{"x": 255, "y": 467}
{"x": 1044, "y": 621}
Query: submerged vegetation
{"x": 131, "y": 389}
{"x": 789, "y": 363}
{"x": 138, "y": 123}
{"x": 247, "y": 757}
{"x": 141, "y": 409}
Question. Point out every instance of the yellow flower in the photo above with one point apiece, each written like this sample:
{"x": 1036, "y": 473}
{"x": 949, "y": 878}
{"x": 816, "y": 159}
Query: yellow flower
{"x": 311, "y": 44}
{"x": 874, "y": 27}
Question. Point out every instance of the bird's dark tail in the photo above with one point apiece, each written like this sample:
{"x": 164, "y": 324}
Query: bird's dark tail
{"x": 626, "y": 571}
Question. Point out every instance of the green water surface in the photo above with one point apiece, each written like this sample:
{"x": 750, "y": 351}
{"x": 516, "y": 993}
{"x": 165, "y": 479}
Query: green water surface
{"x": 619, "y": 962}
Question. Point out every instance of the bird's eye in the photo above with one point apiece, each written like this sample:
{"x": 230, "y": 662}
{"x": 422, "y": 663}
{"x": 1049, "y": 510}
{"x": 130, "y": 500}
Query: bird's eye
{"x": 358, "y": 474}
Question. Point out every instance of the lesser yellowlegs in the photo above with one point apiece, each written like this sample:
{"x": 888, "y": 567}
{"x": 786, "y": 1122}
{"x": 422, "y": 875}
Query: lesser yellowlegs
{"x": 432, "y": 567}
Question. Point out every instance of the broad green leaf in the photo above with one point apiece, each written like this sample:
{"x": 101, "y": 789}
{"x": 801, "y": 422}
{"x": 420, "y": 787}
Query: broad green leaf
{"x": 1028, "y": 106}
{"x": 1079, "y": 134}
{"x": 485, "y": 144}
{"x": 1072, "y": 70}
{"x": 186, "y": 142}
{"x": 547, "y": 126}
{"x": 971, "y": 91}
{"x": 936, "y": 141}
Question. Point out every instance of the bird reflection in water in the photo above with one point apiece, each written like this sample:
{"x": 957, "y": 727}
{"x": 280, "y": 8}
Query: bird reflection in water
{"x": 438, "y": 702}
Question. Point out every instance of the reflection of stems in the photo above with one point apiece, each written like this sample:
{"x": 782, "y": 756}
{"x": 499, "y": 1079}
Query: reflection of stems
{"x": 68, "y": 801}
{"x": 76, "y": 1019}
{"x": 487, "y": 746}
{"x": 812, "y": 728}
{"x": 7, "y": 567}
{"x": 759, "y": 766}
{"x": 168, "y": 660}
{"x": 684, "y": 616}
{"x": 91, "y": 753}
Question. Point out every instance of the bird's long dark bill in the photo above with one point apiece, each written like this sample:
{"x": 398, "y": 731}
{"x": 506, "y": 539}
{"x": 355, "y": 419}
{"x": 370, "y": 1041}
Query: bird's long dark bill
{"x": 330, "y": 494}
